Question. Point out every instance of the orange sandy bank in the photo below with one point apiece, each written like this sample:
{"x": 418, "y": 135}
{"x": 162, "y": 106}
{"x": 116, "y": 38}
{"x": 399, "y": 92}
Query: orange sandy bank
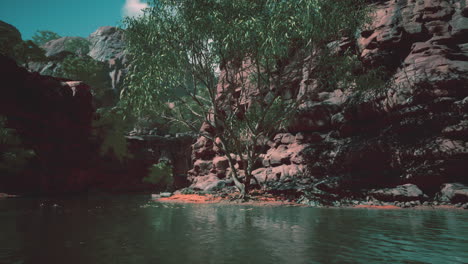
{"x": 377, "y": 206}
{"x": 275, "y": 201}
{"x": 207, "y": 199}
{"x": 191, "y": 198}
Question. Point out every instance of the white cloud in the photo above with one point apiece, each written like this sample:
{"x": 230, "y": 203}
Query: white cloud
{"x": 133, "y": 8}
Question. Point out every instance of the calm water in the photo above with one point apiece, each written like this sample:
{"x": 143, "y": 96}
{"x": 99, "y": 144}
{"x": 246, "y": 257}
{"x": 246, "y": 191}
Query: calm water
{"x": 132, "y": 229}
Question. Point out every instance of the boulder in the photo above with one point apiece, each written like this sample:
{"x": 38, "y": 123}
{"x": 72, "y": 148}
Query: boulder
{"x": 165, "y": 194}
{"x": 287, "y": 139}
{"x": 453, "y": 193}
{"x": 278, "y": 156}
{"x": 279, "y": 173}
{"x": 203, "y": 149}
{"x": 203, "y": 167}
{"x": 207, "y": 183}
{"x": 406, "y": 192}
{"x": 221, "y": 163}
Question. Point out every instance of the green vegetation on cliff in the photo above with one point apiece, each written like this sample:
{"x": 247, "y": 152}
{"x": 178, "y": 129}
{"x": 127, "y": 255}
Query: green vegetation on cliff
{"x": 161, "y": 174}
{"x": 41, "y": 37}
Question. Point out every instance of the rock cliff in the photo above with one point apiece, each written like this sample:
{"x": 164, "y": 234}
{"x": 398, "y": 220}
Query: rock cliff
{"x": 9, "y": 38}
{"x": 415, "y": 131}
{"x": 106, "y": 45}
{"x": 53, "y": 117}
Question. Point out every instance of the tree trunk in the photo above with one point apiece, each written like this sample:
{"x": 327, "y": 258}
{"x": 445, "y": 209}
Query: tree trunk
{"x": 240, "y": 186}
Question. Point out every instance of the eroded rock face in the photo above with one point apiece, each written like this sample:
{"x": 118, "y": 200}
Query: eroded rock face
{"x": 425, "y": 42}
{"x": 107, "y": 45}
{"x": 55, "y": 51}
{"x": 413, "y": 132}
{"x": 57, "y": 48}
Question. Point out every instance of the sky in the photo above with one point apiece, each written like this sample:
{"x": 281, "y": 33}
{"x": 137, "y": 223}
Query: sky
{"x": 67, "y": 17}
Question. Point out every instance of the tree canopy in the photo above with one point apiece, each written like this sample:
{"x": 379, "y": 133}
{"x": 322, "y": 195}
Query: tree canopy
{"x": 41, "y": 37}
{"x": 222, "y": 63}
{"x": 27, "y": 51}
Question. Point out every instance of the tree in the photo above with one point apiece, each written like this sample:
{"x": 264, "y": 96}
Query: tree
{"x": 222, "y": 63}
{"x": 108, "y": 131}
{"x": 92, "y": 72}
{"x": 41, "y": 37}
{"x": 27, "y": 51}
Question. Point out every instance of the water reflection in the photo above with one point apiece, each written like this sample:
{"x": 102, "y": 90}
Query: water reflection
{"x": 130, "y": 229}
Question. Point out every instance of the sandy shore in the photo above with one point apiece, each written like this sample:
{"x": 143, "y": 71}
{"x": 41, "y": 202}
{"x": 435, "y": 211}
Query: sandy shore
{"x": 277, "y": 201}
{"x": 210, "y": 199}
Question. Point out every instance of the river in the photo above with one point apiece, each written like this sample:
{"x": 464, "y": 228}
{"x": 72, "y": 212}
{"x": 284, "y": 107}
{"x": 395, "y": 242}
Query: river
{"x": 134, "y": 229}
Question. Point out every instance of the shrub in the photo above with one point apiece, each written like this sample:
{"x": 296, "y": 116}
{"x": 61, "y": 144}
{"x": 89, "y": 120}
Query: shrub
{"x": 160, "y": 173}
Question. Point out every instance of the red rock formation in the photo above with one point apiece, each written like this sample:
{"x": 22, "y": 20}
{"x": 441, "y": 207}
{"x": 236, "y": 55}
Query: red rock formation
{"x": 415, "y": 132}
{"x": 53, "y": 117}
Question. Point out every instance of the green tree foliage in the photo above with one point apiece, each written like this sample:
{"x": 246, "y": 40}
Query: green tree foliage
{"x": 84, "y": 69}
{"x": 109, "y": 129}
{"x": 13, "y": 155}
{"x": 27, "y": 51}
{"x": 179, "y": 47}
{"x": 41, "y": 37}
{"x": 78, "y": 46}
{"x": 93, "y": 73}
{"x": 160, "y": 173}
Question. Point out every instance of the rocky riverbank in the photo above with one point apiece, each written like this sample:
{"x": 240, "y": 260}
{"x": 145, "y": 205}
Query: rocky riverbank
{"x": 408, "y": 196}
{"x": 266, "y": 200}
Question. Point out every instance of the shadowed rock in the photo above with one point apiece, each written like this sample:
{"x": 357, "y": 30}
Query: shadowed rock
{"x": 401, "y": 193}
{"x": 453, "y": 192}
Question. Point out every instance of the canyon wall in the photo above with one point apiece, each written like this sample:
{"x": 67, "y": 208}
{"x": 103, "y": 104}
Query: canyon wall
{"x": 53, "y": 118}
{"x": 414, "y": 131}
